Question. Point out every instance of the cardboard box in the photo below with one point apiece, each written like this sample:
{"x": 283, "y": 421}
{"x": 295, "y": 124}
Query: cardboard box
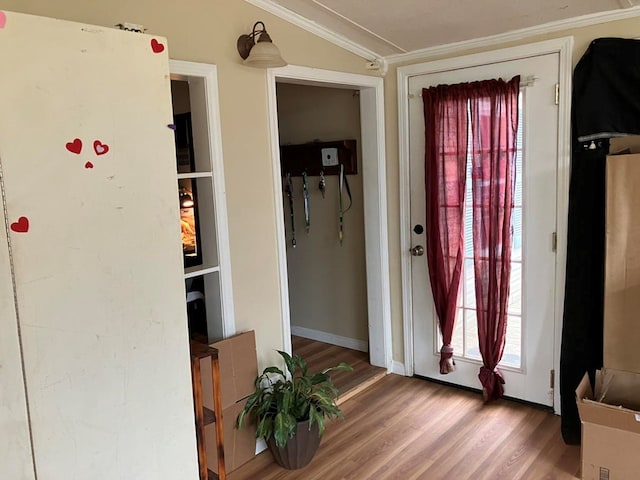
{"x": 624, "y": 145}
{"x": 610, "y": 413}
{"x": 239, "y": 445}
{"x": 622, "y": 267}
{"x": 610, "y": 416}
{"x": 238, "y": 370}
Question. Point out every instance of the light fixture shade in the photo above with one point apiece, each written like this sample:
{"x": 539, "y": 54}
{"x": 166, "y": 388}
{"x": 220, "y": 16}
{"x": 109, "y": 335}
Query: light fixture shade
{"x": 264, "y": 54}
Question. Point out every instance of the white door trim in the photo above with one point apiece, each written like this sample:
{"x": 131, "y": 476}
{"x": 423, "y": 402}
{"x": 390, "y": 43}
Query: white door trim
{"x": 209, "y": 75}
{"x": 562, "y": 46}
{"x": 375, "y": 199}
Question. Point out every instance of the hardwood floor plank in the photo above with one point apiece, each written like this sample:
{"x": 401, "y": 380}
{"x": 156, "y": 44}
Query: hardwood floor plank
{"x": 507, "y": 446}
{"x": 555, "y": 462}
{"x": 482, "y": 439}
{"x": 404, "y": 428}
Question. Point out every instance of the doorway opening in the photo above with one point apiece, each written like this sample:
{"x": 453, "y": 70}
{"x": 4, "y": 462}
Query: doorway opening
{"x": 353, "y": 309}
{"x": 321, "y": 164}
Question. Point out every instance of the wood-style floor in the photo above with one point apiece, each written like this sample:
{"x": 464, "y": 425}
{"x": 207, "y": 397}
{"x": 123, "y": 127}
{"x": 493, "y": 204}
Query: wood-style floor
{"x": 405, "y": 428}
{"x": 319, "y": 356}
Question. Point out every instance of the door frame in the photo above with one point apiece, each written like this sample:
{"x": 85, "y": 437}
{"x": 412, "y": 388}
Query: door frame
{"x": 564, "y": 47}
{"x": 375, "y": 198}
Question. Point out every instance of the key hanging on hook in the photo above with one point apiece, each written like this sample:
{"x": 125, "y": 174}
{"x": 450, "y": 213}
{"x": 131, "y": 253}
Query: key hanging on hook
{"x": 307, "y": 211}
{"x": 289, "y": 190}
{"x": 322, "y": 185}
{"x": 343, "y": 182}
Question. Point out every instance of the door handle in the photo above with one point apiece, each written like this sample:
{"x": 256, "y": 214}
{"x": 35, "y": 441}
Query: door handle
{"x": 417, "y": 251}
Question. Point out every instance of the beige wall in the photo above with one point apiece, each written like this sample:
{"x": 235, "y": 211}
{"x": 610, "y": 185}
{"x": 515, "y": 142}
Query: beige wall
{"x": 582, "y": 37}
{"x": 327, "y": 282}
{"x": 206, "y": 31}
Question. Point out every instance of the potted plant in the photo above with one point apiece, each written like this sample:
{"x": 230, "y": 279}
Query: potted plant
{"x": 290, "y": 409}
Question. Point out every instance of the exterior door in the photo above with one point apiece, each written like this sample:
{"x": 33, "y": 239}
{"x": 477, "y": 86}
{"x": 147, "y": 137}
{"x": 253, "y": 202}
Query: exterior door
{"x": 528, "y": 358}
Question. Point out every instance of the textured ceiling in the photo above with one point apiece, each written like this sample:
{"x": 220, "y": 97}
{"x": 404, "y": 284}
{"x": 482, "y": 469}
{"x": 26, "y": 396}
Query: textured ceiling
{"x": 389, "y": 27}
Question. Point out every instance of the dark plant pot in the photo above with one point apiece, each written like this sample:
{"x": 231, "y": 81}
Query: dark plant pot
{"x": 299, "y": 449}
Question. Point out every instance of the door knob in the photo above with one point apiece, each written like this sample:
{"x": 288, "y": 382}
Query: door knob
{"x": 417, "y": 251}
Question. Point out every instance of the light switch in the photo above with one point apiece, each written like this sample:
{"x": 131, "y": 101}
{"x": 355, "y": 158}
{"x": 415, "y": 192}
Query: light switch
{"x": 330, "y": 157}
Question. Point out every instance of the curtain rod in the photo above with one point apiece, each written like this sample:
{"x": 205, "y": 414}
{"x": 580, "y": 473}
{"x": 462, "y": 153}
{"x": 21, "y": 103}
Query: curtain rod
{"x": 525, "y": 82}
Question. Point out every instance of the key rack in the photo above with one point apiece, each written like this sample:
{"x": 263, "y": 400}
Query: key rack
{"x": 308, "y": 157}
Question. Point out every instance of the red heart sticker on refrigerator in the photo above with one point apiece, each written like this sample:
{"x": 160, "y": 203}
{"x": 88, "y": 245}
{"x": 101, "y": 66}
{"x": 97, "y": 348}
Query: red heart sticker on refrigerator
{"x": 156, "y": 46}
{"x": 75, "y": 146}
{"x": 100, "y": 148}
{"x": 21, "y": 226}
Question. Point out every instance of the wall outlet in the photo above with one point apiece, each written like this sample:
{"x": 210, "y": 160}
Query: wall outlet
{"x": 330, "y": 157}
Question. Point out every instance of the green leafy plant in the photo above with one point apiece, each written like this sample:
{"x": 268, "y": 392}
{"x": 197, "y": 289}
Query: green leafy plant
{"x": 280, "y": 401}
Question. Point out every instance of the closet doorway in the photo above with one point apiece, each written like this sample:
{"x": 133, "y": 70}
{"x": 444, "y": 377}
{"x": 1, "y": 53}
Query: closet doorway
{"x": 332, "y": 293}
{"x": 324, "y": 226}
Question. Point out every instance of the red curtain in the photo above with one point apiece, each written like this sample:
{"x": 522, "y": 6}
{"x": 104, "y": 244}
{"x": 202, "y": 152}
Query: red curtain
{"x": 493, "y": 105}
{"x": 445, "y": 112}
{"x": 494, "y": 120}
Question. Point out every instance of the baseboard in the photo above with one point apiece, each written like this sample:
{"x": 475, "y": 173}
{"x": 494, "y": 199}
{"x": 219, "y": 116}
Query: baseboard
{"x": 346, "y": 342}
{"x": 398, "y": 368}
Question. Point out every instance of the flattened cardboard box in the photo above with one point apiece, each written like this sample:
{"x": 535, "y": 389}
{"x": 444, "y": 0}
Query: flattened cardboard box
{"x": 622, "y": 266}
{"x": 239, "y": 444}
{"x": 610, "y": 414}
{"x": 238, "y": 370}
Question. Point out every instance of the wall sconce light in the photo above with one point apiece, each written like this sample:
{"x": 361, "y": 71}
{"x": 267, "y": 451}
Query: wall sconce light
{"x": 260, "y": 53}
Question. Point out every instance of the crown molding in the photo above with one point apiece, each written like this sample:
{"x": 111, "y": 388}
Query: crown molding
{"x": 492, "y": 40}
{"x": 316, "y": 29}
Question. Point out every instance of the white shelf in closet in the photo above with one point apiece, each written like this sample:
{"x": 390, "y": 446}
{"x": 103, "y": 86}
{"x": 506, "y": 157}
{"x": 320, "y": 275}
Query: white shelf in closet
{"x": 196, "y": 271}
{"x": 183, "y": 176}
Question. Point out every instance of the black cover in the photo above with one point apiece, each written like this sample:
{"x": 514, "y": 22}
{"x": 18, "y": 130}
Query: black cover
{"x": 606, "y": 82}
{"x": 606, "y": 103}
{"x": 582, "y": 341}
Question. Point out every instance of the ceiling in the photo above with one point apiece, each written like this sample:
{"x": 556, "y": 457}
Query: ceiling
{"x": 386, "y": 27}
